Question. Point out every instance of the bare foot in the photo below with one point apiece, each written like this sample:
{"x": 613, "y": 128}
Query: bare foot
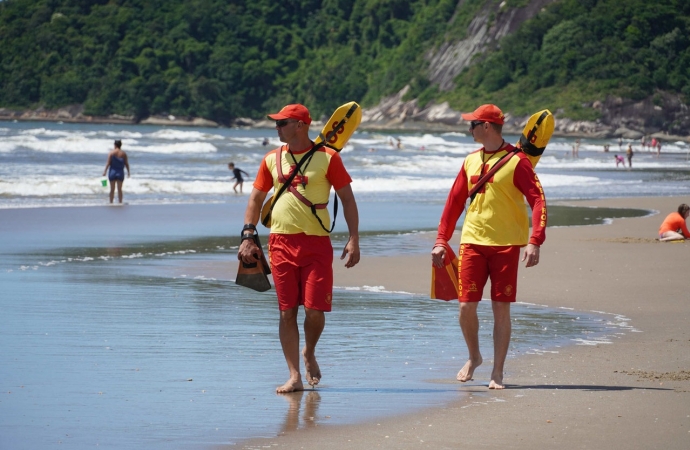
{"x": 291, "y": 386}
{"x": 496, "y": 381}
{"x": 311, "y": 368}
{"x": 467, "y": 370}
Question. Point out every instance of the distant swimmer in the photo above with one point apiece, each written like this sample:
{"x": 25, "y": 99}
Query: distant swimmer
{"x": 117, "y": 163}
{"x": 619, "y": 160}
{"x": 265, "y": 142}
{"x": 674, "y": 227}
{"x": 237, "y": 176}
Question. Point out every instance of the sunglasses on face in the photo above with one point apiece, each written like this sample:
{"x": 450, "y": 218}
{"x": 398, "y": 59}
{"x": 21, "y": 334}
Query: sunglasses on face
{"x": 281, "y": 123}
{"x": 475, "y": 123}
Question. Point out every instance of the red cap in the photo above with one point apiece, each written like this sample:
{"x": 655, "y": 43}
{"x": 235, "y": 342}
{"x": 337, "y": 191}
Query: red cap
{"x": 296, "y": 111}
{"x": 486, "y": 113}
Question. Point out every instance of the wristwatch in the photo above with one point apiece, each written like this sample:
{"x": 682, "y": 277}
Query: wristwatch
{"x": 250, "y": 227}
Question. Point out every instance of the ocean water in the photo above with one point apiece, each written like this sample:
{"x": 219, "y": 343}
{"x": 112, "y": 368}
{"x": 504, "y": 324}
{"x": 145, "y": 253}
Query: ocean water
{"x": 107, "y": 341}
{"x": 52, "y": 164}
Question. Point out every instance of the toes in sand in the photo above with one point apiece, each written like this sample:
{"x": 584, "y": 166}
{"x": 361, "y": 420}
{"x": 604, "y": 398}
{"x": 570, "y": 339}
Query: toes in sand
{"x": 467, "y": 370}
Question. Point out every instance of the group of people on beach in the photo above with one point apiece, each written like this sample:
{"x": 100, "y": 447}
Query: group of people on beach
{"x": 117, "y": 162}
{"x": 496, "y": 227}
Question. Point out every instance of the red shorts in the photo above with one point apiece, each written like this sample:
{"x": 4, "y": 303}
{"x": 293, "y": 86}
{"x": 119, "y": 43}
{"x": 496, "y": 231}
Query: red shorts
{"x": 302, "y": 268}
{"x": 476, "y": 263}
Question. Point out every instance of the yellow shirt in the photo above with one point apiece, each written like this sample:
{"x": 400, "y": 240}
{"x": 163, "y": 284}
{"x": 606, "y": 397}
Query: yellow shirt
{"x": 290, "y": 215}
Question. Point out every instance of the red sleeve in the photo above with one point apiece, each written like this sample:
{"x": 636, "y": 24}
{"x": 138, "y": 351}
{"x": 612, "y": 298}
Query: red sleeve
{"x": 455, "y": 204}
{"x": 336, "y": 173}
{"x": 526, "y": 180}
{"x": 264, "y": 177}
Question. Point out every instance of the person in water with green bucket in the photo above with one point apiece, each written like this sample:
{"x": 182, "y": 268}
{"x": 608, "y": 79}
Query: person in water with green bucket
{"x": 117, "y": 163}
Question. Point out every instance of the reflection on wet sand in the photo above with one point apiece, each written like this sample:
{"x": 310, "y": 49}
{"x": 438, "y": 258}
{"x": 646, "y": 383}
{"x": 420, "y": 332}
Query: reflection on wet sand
{"x": 312, "y": 399}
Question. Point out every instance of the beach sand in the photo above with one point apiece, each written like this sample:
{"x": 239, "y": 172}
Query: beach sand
{"x": 633, "y": 393}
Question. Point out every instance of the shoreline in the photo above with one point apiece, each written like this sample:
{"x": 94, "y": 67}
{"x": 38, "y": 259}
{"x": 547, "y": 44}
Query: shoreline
{"x": 632, "y": 393}
{"x": 392, "y": 126}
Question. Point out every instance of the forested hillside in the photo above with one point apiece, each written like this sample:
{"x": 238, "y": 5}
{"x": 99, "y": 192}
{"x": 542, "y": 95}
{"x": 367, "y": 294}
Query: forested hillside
{"x": 223, "y": 59}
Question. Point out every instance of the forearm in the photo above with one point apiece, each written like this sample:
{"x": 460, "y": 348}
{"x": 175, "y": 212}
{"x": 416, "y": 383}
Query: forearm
{"x": 256, "y": 199}
{"x": 455, "y": 204}
{"x": 350, "y": 210}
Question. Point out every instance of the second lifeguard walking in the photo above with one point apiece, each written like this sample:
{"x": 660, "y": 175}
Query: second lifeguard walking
{"x": 496, "y": 226}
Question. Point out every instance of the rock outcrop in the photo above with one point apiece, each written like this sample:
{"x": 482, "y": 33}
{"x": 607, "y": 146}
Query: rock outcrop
{"x": 486, "y": 29}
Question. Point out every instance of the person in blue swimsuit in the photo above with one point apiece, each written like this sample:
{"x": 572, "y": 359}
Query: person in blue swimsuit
{"x": 117, "y": 163}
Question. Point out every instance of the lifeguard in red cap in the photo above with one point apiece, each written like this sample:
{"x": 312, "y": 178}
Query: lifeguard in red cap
{"x": 300, "y": 250}
{"x": 496, "y": 227}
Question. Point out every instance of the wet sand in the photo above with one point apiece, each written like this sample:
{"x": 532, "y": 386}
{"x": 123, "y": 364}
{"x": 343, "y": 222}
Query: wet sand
{"x": 634, "y": 393}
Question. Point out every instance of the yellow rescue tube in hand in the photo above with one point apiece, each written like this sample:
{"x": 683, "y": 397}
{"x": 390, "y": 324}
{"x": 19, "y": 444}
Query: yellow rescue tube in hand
{"x": 536, "y": 135}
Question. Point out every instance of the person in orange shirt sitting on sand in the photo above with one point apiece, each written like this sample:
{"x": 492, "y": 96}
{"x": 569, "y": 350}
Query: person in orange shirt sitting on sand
{"x": 674, "y": 227}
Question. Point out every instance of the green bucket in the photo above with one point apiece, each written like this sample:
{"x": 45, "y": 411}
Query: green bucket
{"x": 104, "y": 182}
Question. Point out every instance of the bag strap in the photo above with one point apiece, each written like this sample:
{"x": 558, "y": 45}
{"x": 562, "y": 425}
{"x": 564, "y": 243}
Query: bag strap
{"x": 302, "y": 198}
{"x": 487, "y": 176}
{"x": 288, "y": 181}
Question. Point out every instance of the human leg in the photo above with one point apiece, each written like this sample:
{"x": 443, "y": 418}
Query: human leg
{"x": 502, "y": 331}
{"x": 472, "y": 275}
{"x": 469, "y": 324}
{"x": 119, "y": 190}
{"x": 503, "y": 270}
{"x": 286, "y": 277}
{"x": 112, "y": 190}
{"x": 289, "y": 341}
{"x": 671, "y": 236}
{"x": 317, "y": 284}
{"x": 314, "y": 323}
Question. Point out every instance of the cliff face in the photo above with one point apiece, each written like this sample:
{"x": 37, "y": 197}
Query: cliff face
{"x": 619, "y": 117}
{"x": 447, "y": 61}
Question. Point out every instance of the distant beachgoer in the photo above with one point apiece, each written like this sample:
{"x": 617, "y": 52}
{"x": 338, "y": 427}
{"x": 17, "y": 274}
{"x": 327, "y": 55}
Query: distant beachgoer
{"x": 576, "y": 149}
{"x": 606, "y": 148}
{"x": 619, "y": 160}
{"x": 399, "y": 145}
{"x": 620, "y": 143}
{"x": 658, "y": 148}
{"x": 629, "y": 153}
{"x": 643, "y": 141}
{"x": 674, "y": 227}
{"x": 117, "y": 163}
{"x": 265, "y": 142}
{"x": 237, "y": 176}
